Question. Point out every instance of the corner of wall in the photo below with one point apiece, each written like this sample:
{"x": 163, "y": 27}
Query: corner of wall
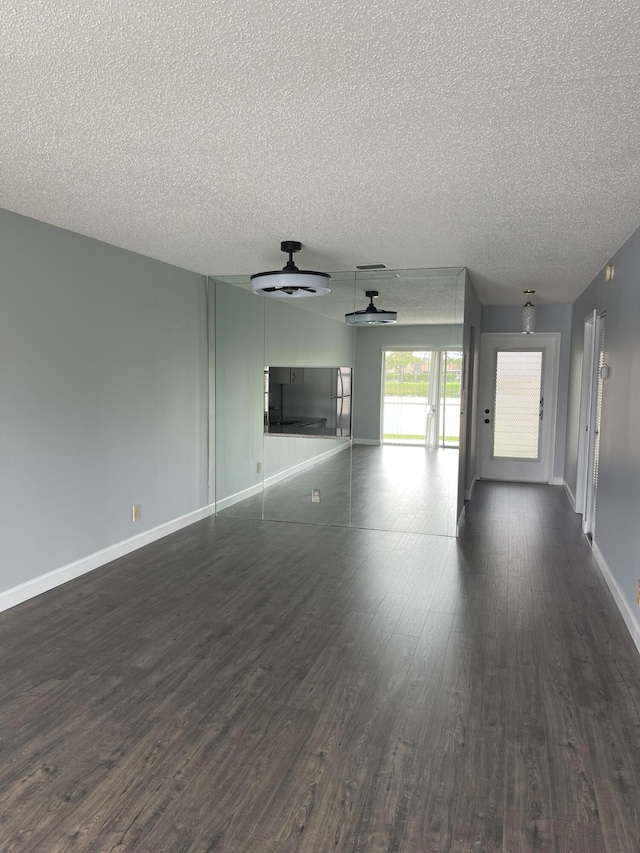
{"x": 560, "y": 481}
{"x": 630, "y": 619}
{"x": 43, "y": 583}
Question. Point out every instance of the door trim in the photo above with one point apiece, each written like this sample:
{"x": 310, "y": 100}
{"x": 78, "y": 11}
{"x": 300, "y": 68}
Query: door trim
{"x": 588, "y": 518}
{"x": 586, "y": 396}
{"x": 517, "y": 340}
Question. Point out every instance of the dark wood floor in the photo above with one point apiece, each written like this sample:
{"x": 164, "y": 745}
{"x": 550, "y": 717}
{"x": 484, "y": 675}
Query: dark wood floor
{"x": 257, "y": 686}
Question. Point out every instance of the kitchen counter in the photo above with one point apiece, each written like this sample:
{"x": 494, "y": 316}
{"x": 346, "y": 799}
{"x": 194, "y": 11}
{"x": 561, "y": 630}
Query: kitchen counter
{"x": 310, "y": 430}
{"x": 300, "y": 422}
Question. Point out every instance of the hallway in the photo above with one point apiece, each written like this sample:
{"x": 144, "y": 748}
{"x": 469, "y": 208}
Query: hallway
{"x": 260, "y": 686}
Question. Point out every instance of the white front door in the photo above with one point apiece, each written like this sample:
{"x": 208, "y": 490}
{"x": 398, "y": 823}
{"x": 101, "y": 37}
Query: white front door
{"x": 517, "y": 406}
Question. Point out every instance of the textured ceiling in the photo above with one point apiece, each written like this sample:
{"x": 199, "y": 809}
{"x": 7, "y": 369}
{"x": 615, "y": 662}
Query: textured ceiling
{"x": 429, "y": 296}
{"x": 501, "y": 136}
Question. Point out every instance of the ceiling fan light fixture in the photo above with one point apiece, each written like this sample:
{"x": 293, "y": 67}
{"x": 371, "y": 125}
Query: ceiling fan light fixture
{"x": 528, "y": 315}
{"x": 290, "y": 282}
{"x": 371, "y": 316}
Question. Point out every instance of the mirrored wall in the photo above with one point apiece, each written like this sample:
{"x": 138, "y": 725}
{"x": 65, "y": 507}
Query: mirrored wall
{"x": 320, "y": 422}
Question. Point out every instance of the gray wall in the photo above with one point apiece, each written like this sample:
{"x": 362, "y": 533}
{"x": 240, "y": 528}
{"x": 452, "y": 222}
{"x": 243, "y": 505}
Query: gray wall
{"x": 618, "y": 504}
{"x": 239, "y": 362}
{"x": 367, "y": 372}
{"x": 297, "y": 337}
{"x": 103, "y": 396}
{"x": 549, "y": 318}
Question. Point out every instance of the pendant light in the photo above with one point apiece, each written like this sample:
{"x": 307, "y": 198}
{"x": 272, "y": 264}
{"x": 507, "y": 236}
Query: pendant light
{"x": 528, "y": 315}
{"x": 371, "y": 316}
{"x": 291, "y": 282}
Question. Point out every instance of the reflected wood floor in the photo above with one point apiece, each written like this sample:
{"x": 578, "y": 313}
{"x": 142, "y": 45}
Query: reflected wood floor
{"x": 387, "y": 487}
{"x": 261, "y": 686}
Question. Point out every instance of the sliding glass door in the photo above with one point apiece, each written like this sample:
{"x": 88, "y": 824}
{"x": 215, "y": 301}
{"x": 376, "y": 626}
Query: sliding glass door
{"x": 421, "y": 400}
{"x": 449, "y": 398}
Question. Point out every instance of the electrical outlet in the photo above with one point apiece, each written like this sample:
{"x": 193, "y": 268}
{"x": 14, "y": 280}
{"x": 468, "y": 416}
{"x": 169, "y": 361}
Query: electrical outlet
{"x": 638, "y": 593}
{"x": 315, "y": 496}
{"x": 135, "y": 512}
{"x": 259, "y": 468}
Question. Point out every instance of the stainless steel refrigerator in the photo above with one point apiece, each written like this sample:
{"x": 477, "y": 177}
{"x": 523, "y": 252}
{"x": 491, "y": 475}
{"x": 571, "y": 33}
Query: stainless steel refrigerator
{"x": 341, "y": 398}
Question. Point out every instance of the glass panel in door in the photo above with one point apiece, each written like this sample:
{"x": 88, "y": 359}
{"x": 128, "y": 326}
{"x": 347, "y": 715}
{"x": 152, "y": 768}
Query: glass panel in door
{"x": 517, "y": 415}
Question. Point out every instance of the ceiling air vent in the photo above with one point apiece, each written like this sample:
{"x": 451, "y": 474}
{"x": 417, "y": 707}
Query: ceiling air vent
{"x": 366, "y": 267}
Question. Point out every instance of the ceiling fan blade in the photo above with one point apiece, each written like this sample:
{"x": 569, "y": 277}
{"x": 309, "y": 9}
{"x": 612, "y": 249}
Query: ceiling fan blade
{"x": 287, "y": 289}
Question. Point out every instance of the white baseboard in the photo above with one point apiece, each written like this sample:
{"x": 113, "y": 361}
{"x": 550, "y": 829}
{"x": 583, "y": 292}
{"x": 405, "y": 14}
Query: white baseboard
{"x": 461, "y": 517}
{"x": 225, "y": 503}
{"x": 469, "y": 492}
{"x": 50, "y": 580}
{"x": 630, "y": 618}
{"x": 235, "y": 498}
{"x": 570, "y": 495}
{"x": 373, "y": 441}
{"x": 303, "y": 466}
{"x": 557, "y": 481}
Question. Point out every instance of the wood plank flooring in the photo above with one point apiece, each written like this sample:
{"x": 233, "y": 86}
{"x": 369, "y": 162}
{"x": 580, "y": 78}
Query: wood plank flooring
{"x": 388, "y": 487}
{"x": 260, "y": 686}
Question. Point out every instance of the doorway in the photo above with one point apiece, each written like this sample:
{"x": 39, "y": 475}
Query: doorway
{"x": 593, "y": 372}
{"x": 519, "y": 384}
{"x": 421, "y": 398}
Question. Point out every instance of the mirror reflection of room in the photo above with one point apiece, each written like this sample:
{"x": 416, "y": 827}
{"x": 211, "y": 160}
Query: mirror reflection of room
{"x": 388, "y": 395}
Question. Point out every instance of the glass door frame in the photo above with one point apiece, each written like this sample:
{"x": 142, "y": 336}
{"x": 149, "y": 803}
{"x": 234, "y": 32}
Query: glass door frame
{"x": 442, "y": 405}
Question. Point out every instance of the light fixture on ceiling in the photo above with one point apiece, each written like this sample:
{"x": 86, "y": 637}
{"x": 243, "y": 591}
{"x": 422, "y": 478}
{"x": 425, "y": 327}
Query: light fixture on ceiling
{"x": 371, "y": 316}
{"x": 290, "y": 281}
{"x": 528, "y": 315}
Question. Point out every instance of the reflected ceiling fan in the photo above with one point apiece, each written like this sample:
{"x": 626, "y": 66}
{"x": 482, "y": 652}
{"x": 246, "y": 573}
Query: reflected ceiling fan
{"x": 371, "y": 316}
